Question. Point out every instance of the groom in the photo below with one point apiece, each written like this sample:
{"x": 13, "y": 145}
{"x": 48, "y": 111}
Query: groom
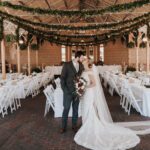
{"x": 70, "y": 71}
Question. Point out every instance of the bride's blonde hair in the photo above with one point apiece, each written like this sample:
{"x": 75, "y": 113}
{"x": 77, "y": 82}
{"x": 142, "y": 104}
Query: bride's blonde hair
{"x": 89, "y": 61}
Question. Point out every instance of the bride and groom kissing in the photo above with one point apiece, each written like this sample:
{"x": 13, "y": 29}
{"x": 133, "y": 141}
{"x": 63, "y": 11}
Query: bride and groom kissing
{"x": 98, "y": 131}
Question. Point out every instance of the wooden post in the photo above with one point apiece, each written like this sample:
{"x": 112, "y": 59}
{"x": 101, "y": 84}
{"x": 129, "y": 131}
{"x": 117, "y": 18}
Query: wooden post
{"x": 10, "y": 70}
{"x": 37, "y": 57}
{"x": 137, "y": 58}
{"x": 96, "y": 57}
{"x": 98, "y": 53}
{"x": 147, "y": 56}
{"x": 18, "y": 59}
{"x": 69, "y": 53}
{"x": 3, "y": 59}
{"x": 95, "y": 54}
{"x": 87, "y": 51}
{"x": 29, "y": 61}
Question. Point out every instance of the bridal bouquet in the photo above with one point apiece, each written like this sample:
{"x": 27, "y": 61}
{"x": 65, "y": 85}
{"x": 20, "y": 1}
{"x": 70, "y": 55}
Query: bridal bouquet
{"x": 80, "y": 86}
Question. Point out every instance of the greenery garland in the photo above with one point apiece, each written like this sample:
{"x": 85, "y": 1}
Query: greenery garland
{"x": 70, "y": 27}
{"x": 83, "y": 13}
{"x": 10, "y": 38}
{"x": 130, "y": 45}
{"x": 34, "y": 46}
{"x": 108, "y": 38}
{"x": 145, "y": 17}
{"x": 23, "y": 46}
{"x": 142, "y": 45}
{"x": 104, "y": 37}
{"x": 97, "y": 40}
{"x": 1, "y": 28}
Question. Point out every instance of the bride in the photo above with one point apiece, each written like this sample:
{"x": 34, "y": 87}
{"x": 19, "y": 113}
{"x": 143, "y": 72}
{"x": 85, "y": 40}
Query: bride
{"x": 98, "y": 131}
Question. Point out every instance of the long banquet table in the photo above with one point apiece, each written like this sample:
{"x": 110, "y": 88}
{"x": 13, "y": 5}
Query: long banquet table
{"x": 58, "y": 98}
{"x": 143, "y": 93}
{"x": 139, "y": 90}
{"x": 57, "y": 69}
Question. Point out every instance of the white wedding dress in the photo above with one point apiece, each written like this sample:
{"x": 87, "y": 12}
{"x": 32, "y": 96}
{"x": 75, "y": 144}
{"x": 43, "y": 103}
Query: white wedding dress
{"x": 98, "y": 131}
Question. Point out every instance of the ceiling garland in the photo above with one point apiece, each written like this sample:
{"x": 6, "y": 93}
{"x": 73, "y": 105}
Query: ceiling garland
{"x": 83, "y": 13}
{"x": 70, "y": 27}
{"x": 101, "y": 39}
{"x": 45, "y": 31}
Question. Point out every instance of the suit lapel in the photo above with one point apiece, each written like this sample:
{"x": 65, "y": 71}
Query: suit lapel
{"x": 80, "y": 69}
{"x": 73, "y": 68}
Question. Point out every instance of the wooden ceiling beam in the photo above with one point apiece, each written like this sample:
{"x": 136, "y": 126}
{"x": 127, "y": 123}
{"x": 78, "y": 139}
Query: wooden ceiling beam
{"x": 81, "y": 4}
{"x": 49, "y": 6}
{"x": 109, "y": 15}
{"x": 66, "y": 4}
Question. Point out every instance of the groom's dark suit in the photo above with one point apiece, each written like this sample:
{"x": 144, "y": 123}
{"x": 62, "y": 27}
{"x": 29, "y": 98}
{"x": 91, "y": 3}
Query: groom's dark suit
{"x": 68, "y": 76}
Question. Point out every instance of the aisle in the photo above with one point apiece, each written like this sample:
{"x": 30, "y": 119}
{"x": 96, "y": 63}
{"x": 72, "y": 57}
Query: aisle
{"x": 27, "y": 129}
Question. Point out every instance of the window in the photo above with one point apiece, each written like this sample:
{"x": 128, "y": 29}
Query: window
{"x": 73, "y": 53}
{"x": 101, "y": 52}
{"x": 91, "y": 52}
{"x": 63, "y": 53}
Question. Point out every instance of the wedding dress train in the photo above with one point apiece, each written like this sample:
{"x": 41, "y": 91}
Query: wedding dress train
{"x": 98, "y": 131}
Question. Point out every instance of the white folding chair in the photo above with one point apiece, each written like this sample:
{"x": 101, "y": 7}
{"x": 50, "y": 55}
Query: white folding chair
{"x": 3, "y": 107}
{"x": 57, "y": 82}
{"x": 130, "y": 100}
{"x": 49, "y": 93}
{"x": 106, "y": 78}
{"x": 113, "y": 86}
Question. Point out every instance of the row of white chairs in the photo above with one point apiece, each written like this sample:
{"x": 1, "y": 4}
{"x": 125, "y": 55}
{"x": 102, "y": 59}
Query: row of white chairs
{"x": 122, "y": 88}
{"x": 14, "y": 90}
{"x": 128, "y": 99}
{"x": 49, "y": 93}
{"x": 9, "y": 99}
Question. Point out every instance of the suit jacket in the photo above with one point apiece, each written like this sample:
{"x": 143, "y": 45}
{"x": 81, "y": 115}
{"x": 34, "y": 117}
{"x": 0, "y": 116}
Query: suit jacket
{"x": 68, "y": 76}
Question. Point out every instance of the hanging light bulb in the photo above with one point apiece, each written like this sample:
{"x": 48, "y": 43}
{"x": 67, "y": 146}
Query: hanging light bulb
{"x": 20, "y": 41}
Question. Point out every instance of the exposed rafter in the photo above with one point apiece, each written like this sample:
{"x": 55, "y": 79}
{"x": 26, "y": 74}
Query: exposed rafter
{"x": 81, "y": 4}
{"x": 66, "y": 4}
{"x": 109, "y": 15}
{"x": 48, "y": 4}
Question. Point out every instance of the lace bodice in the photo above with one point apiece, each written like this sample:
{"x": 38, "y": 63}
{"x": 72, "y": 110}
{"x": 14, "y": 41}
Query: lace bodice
{"x": 85, "y": 75}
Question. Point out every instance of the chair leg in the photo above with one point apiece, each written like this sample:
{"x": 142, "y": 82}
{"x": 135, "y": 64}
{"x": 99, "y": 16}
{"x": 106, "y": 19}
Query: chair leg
{"x": 123, "y": 101}
{"x": 45, "y": 110}
{"x": 3, "y": 111}
{"x": 12, "y": 106}
{"x": 129, "y": 109}
{"x": 18, "y": 103}
{"x": 126, "y": 106}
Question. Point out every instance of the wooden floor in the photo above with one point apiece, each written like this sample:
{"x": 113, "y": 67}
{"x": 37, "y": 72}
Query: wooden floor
{"x": 27, "y": 129}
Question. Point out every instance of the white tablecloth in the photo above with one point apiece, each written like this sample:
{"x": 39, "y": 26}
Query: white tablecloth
{"x": 143, "y": 93}
{"x": 57, "y": 69}
{"x": 113, "y": 68}
{"x": 140, "y": 92}
{"x": 58, "y": 98}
